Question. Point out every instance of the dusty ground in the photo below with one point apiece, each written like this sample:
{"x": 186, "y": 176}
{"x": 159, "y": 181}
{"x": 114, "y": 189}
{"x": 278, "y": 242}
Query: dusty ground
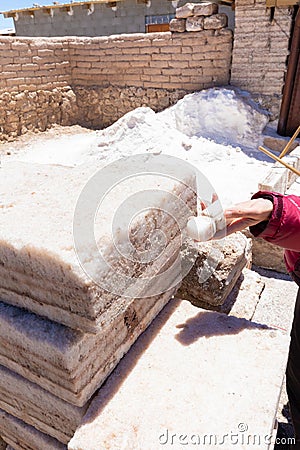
{"x": 30, "y": 138}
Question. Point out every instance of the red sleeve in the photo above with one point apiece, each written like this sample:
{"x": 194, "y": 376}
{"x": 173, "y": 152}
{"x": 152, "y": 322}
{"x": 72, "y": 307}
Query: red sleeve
{"x": 283, "y": 228}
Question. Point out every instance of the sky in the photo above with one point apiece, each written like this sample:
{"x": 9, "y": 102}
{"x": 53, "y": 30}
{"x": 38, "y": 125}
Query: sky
{"x": 6, "y": 5}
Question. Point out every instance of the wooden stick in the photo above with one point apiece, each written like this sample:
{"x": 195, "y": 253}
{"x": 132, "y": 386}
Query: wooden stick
{"x": 288, "y": 145}
{"x": 280, "y": 161}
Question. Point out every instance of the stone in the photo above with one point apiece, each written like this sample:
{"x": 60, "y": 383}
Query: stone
{"x": 205, "y": 9}
{"x": 215, "y": 22}
{"x": 68, "y": 363}
{"x": 178, "y": 369}
{"x": 194, "y": 24}
{"x": 185, "y": 11}
{"x": 25, "y": 437}
{"x": 37, "y": 407}
{"x": 177, "y": 25}
{"x": 47, "y": 105}
{"x": 266, "y": 255}
{"x": 39, "y": 266}
{"x": 277, "y": 144}
{"x": 216, "y": 270}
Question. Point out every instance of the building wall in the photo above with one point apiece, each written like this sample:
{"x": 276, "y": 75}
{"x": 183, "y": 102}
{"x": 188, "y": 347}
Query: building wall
{"x": 35, "y": 78}
{"x": 94, "y": 81}
{"x": 129, "y": 17}
{"x": 157, "y": 61}
{"x": 260, "y": 50}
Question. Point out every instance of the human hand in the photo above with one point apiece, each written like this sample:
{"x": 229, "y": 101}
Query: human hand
{"x": 245, "y": 214}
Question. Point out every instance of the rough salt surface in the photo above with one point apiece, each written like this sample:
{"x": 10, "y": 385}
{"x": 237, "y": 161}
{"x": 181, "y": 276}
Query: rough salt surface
{"x": 22, "y": 436}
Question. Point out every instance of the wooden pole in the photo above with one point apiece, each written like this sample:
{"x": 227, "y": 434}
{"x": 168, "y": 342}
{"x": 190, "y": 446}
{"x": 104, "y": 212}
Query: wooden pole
{"x": 297, "y": 172}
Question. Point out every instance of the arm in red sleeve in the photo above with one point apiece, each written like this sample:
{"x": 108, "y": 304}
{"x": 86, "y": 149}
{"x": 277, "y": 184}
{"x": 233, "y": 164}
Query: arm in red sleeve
{"x": 283, "y": 228}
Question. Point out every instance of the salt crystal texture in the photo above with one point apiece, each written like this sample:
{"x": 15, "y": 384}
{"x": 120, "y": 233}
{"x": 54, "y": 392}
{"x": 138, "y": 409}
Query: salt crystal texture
{"x": 22, "y": 436}
{"x": 40, "y": 270}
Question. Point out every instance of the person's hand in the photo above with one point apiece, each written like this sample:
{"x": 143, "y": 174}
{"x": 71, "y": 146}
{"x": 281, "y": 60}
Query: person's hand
{"x": 245, "y": 214}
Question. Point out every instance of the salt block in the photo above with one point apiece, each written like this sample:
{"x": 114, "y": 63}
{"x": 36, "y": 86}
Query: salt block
{"x": 216, "y": 270}
{"x": 185, "y": 11}
{"x": 194, "y": 24}
{"x": 215, "y": 22}
{"x": 177, "y": 369}
{"x": 294, "y": 160}
{"x": 25, "y": 437}
{"x": 244, "y": 297}
{"x": 37, "y": 407}
{"x": 276, "y": 305}
{"x": 295, "y": 188}
{"x": 280, "y": 178}
{"x": 177, "y": 25}
{"x": 2, "y": 444}
{"x": 68, "y": 363}
{"x": 276, "y": 179}
{"x": 266, "y": 255}
{"x": 39, "y": 268}
{"x": 205, "y": 9}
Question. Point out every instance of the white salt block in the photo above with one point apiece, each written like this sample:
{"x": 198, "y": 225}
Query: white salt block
{"x": 201, "y": 228}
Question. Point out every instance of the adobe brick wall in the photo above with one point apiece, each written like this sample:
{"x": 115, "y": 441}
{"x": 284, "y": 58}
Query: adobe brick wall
{"x": 116, "y": 74}
{"x": 35, "y": 92}
{"x": 155, "y": 60}
{"x": 260, "y": 50}
{"x": 94, "y": 81}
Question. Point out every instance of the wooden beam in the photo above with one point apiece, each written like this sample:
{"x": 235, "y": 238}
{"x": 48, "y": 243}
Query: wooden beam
{"x": 11, "y": 12}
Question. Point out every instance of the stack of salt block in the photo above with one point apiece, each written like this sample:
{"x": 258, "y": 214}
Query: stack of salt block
{"x": 62, "y": 333}
{"x": 198, "y": 17}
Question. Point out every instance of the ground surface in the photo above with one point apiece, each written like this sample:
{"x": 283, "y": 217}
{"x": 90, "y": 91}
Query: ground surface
{"x": 33, "y": 138}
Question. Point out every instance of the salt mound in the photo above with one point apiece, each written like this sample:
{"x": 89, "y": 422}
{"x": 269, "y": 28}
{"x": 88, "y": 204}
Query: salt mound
{"x": 138, "y": 131}
{"x": 227, "y": 116}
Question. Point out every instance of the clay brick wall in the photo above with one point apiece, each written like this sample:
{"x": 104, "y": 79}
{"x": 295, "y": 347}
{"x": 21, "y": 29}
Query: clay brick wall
{"x": 29, "y": 64}
{"x": 123, "y": 72}
{"x": 94, "y": 81}
{"x": 156, "y": 60}
{"x": 260, "y": 50}
{"x": 35, "y": 92}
